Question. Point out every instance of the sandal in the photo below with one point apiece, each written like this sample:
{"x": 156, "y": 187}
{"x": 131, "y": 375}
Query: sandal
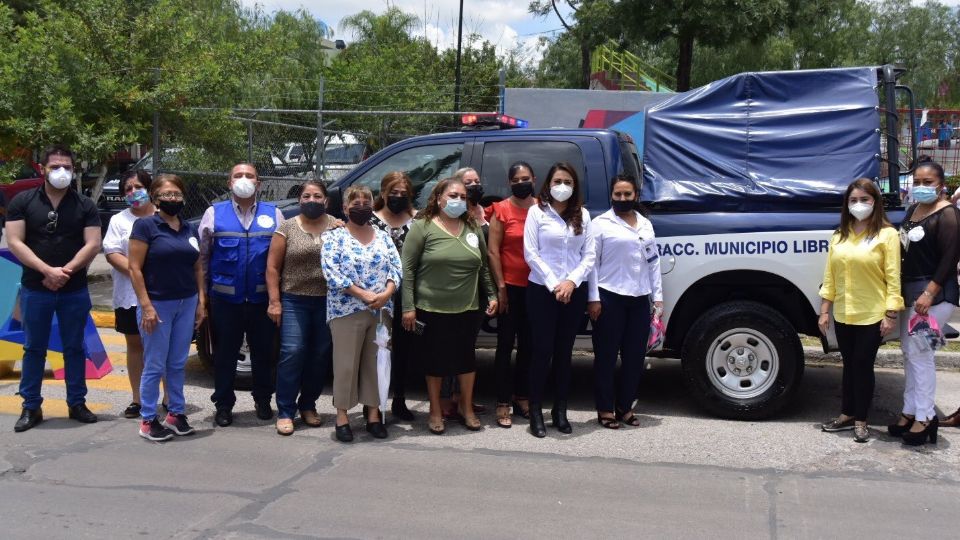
{"x": 503, "y": 415}
{"x": 951, "y": 421}
{"x": 521, "y": 407}
{"x": 609, "y": 422}
{"x": 285, "y": 426}
{"x": 471, "y": 422}
{"x": 631, "y": 420}
{"x": 311, "y": 418}
{"x": 436, "y": 426}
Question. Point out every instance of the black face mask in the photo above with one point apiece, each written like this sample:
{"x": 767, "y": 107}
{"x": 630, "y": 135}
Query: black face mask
{"x": 621, "y": 207}
{"x": 360, "y": 214}
{"x": 474, "y": 193}
{"x": 312, "y": 209}
{"x": 522, "y": 190}
{"x": 398, "y": 204}
{"x": 171, "y": 208}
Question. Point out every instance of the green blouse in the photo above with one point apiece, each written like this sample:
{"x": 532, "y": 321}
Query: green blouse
{"x": 441, "y": 272}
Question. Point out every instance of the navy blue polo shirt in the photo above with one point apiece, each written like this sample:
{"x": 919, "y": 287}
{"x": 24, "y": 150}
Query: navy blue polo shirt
{"x": 168, "y": 268}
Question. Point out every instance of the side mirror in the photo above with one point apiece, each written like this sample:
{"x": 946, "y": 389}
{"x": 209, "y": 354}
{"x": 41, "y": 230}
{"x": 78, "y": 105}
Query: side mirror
{"x": 335, "y": 202}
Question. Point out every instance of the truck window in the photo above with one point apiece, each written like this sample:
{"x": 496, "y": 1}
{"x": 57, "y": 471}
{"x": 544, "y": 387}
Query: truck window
{"x": 541, "y": 155}
{"x": 426, "y": 165}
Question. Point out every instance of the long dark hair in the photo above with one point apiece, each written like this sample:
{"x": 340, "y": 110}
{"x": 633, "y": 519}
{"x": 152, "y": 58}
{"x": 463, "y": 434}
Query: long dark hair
{"x": 432, "y": 209}
{"x": 937, "y": 171}
{"x": 877, "y": 220}
{"x": 387, "y": 183}
{"x": 515, "y": 168}
{"x": 573, "y": 214}
{"x": 141, "y": 175}
{"x": 629, "y": 179}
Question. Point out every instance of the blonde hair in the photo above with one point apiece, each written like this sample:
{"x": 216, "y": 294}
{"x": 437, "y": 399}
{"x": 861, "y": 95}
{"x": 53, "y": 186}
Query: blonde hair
{"x": 355, "y": 192}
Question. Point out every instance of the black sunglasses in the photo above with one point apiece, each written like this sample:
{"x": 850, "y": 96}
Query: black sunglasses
{"x": 53, "y": 217}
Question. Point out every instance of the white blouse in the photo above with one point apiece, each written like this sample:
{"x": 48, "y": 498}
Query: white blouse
{"x": 117, "y": 240}
{"x": 628, "y": 262}
{"x": 552, "y": 250}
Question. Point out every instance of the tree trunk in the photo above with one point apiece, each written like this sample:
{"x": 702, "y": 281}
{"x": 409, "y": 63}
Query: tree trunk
{"x": 684, "y": 62}
{"x": 584, "y": 66}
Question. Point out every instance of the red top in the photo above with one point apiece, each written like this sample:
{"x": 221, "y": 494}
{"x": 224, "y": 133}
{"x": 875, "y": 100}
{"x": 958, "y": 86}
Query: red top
{"x": 513, "y": 218}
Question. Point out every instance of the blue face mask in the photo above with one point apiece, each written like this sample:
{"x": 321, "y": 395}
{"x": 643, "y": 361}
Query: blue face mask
{"x": 455, "y": 207}
{"x": 924, "y": 194}
{"x": 138, "y": 198}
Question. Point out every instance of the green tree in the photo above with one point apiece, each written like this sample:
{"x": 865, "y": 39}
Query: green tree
{"x": 593, "y": 23}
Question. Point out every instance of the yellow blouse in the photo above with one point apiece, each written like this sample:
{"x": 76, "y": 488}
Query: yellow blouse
{"x": 862, "y": 277}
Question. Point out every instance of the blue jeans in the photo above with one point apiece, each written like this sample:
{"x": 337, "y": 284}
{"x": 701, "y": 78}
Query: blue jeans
{"x": 306, "y": 353}
{"x": 38, "y": 309}
{"x": 165, "y": 352}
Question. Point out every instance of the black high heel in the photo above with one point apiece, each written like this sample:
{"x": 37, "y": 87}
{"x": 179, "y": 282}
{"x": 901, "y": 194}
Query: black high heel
{"x": 898, "y": 430}
{"x": 559, "y": 416}
{"x": 917, "y": 438}
{"x": 537, "y": 427}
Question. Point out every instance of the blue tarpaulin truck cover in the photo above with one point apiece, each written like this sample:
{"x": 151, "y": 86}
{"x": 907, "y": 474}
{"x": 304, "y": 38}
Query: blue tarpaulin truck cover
{"x": 763, "y": 141}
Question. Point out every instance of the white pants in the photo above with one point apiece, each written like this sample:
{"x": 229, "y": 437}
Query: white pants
{"x": 919, "y": 369}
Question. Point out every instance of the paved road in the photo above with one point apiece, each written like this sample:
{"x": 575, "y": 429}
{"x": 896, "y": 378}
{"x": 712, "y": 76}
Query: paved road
{"x": 681, "y": 474}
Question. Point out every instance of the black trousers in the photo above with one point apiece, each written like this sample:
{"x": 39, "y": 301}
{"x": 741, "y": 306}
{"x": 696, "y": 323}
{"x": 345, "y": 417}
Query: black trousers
{"x": 858, "y": 347}
{"x": 621, "y": 330}
{"x": 402, "y": 343}
{"x": 554, "y": 326}
{"x": 513, "y": 327}
{"x": 230, "y": 322}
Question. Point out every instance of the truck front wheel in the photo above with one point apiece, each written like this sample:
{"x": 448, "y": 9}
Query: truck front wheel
{"x": 742, "y": 360}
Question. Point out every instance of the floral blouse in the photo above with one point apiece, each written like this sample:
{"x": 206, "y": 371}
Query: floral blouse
{"x": 345, "y": 261}
{"x": 398, "y": 234}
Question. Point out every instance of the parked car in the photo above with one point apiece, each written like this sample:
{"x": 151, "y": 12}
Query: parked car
{"x": 29, "y": 175}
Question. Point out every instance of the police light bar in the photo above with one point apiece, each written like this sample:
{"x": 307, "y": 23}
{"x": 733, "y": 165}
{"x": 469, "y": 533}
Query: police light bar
{"x": 492, "y": 119}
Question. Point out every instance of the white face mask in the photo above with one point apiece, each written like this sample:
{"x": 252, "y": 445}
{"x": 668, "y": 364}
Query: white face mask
{"x": 60, "y": 178}
{"x": 561, "y": 192}
{"x": 243, "y": 188}
{"x": 861, "y": 210}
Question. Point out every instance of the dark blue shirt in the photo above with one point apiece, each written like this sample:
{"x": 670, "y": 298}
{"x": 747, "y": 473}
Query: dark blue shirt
{"x": 168, "y": 268}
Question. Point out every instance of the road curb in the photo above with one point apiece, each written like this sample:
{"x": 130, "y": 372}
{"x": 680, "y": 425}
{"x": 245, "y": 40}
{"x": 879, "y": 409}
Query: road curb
{"x": 886, "y": 358}
{"x": 103, "y": 319}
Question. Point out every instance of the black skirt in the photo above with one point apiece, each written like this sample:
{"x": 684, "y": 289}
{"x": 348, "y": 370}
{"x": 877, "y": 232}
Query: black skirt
{"x": 448, "y": 343}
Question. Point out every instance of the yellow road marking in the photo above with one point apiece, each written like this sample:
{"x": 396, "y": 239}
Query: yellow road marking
{"x": 113, "y": 382}
{"x": 113, "y": 339}
{"x": 51, "y": 407}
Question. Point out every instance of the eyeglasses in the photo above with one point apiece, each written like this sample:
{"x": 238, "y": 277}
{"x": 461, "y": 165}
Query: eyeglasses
{"x": 170, "y": 196}
{"x": 53, "y": 218}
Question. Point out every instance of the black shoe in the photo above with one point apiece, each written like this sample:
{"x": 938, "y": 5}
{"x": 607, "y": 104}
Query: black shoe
{"x": 81, "y": 413}
{"x": 399, "y": 410}
{"x": 264, "y": 411}
{"x": 377, "y": 429}
{"x": 897, "y": 430}
{"x": 559, "y": 416}
{"x": 132, "y": 410}
{"x": 918, "y": 438}
{"x": 152, "y": 430}
{"x": 224, "y": 417}
{"x": 28, "y": 419}
{"x": 537, "y": 427}
{"x": 344, "y": 433}
{"x": 177, "y": 423}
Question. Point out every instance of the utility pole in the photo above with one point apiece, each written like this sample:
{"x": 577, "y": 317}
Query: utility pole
{"x": 318, "y": 151}
{"x": 155, "y": 162}
{"x": 456, "y": 90}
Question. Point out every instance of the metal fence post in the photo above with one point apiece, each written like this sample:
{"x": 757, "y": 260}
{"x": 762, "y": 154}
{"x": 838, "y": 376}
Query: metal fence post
{"x": 502, "y": 94}
{"x": 155, "y": 162}
{"x": 249, "y": 142}
{"x": 319, "y": 146}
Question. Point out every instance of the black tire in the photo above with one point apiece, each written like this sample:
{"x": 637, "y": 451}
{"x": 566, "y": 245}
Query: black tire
{"x": 742, "y": 360}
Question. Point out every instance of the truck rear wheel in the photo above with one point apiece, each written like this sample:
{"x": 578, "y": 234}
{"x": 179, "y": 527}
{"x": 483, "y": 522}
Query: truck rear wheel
{"x": 742, "y": 360}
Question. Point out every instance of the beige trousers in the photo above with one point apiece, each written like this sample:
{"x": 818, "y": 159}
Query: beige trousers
{"x": 355, "y": 360}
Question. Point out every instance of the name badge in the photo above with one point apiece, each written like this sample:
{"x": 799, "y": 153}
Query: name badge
{"x": 472, "y": 240}
{"x": 265, "y": 221}
{"x": 650, "y": 250}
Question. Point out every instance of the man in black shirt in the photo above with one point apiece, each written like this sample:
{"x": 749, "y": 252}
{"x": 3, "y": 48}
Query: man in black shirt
{"x": 55, "y": 233}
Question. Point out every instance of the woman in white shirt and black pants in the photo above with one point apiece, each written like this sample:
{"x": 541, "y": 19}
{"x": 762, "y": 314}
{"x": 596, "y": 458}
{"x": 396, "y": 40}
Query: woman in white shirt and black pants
{"x": 624, "y": 281}
{"x": 558, "y": 246}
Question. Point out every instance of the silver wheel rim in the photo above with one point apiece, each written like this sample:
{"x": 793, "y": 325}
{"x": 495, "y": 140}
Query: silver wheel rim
{"x": 742, "y": 363}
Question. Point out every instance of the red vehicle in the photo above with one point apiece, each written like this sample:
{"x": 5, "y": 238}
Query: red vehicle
{"x": 28, "y": 176}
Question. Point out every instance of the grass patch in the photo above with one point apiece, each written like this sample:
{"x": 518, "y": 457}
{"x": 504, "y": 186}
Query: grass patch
{"x": 951, "y": 346}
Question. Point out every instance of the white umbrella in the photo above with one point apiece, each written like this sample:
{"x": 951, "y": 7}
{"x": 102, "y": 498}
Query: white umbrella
{"x": 383, "y": 360}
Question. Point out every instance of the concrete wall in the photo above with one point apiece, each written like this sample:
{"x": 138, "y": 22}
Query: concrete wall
{"x": 547, "y": 107}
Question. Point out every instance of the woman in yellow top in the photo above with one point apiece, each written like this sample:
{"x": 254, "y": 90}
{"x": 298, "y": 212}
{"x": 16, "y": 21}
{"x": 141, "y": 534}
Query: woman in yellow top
{"x": 862, "y": 284}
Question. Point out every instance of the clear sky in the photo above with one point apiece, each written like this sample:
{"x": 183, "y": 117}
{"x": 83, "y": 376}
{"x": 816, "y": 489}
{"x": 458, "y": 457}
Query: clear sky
{"x": 505, "y": 23}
